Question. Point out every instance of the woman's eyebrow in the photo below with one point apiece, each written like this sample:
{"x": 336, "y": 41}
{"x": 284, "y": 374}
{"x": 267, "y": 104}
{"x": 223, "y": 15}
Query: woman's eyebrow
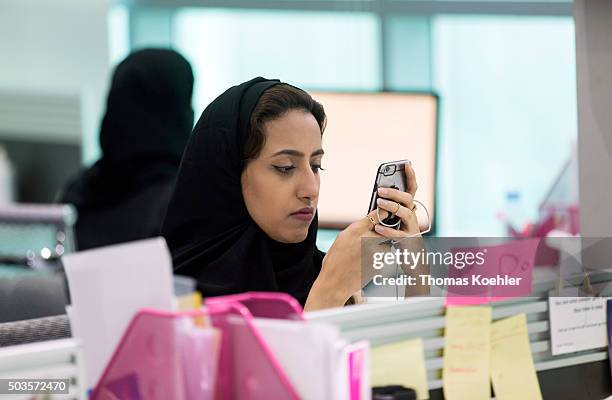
{"x": 296, "y": 153}
{"x": 317, "y": 153}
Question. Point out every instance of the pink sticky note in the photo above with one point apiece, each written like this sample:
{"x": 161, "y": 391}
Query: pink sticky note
{"x": 510, "y": 264}
{"x": 515, "y": 260}
{"x": 465, "y": 300}
{"x": 466, "y": 294}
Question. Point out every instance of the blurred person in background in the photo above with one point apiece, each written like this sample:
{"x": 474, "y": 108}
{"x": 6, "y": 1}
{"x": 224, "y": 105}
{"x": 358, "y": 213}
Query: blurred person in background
{"x": 147, "y": 124}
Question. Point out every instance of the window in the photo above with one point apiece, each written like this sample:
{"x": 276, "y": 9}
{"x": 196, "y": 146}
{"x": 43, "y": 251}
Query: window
{"x": 315, "y": 50}
{"x": 508, "y": 114}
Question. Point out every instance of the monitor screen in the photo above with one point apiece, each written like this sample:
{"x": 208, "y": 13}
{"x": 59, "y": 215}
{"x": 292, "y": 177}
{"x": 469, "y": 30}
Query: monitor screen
{"x": 365, "y": 130}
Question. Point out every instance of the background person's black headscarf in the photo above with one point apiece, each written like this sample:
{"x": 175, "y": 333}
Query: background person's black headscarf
{"x": 145, "y": 129}
{"x": 208, "y": 228}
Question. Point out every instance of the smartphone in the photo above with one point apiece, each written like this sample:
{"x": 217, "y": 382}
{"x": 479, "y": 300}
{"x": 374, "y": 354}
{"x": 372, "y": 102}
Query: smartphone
{"x": 390, "y": 175}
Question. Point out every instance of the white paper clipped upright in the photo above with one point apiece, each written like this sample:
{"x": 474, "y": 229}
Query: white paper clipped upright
{"x": 577, "y": 323}
{"x": 311, "y": 354}
{"x": 199, "y": 352}
{"x": 108, "y": 286}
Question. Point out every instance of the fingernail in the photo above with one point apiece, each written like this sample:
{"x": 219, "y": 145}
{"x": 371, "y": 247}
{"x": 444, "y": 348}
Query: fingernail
{"x": 378, "y": 228}
{"x": 383, "y": 202}
{"x": 382, "y": 191}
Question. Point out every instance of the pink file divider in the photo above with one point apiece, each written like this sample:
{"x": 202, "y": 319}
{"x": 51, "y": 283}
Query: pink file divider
{"x": 146, "y": 364}
{"x": 263, "y": 304}
{"x": 242, "y": 373}
{"x": 358, "y": 364}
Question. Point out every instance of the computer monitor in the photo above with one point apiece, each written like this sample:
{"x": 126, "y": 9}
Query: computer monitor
{"x": 365, "y": 130}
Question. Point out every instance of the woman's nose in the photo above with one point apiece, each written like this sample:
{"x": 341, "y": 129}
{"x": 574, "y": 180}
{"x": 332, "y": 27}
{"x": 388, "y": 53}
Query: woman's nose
{"x": 308, "y": 187}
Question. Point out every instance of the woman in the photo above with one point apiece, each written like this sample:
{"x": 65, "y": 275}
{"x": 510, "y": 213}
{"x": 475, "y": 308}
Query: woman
{"x": 243, "y": 213}
{"x": 148, "y": 120}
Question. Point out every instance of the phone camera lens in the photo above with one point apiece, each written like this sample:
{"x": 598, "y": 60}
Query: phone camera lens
{"x": 388, "y": 170}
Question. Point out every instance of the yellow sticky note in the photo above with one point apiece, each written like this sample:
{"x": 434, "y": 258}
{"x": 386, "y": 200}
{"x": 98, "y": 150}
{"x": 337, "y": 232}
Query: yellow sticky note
{"x": 512, "y": 370}
{"x": 400, "y": 363}
{"x": 191, "y": 301}
{"x": 467, "y": 353}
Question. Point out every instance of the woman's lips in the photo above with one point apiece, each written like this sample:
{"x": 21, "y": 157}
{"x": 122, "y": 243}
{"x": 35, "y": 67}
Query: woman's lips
{"x": 305, "y": 214}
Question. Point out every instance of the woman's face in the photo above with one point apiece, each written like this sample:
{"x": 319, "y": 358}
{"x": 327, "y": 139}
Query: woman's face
{"x": 281, "y": 187}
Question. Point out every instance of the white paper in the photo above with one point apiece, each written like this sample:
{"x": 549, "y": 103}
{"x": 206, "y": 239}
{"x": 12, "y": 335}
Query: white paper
{"x": 199, "y": 352}
{"x": 307, "y": 352}
{"x": 108, "y": 286}
{"x": 340, "y": 388}
{"x": 577, "y": 324}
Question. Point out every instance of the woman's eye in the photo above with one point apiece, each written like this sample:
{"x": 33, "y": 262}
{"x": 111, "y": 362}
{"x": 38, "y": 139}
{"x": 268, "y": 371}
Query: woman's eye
{"x": 284, "y": 170}
{"x": 316, "y": 168}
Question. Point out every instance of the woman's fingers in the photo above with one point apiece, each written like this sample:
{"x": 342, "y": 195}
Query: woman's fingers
{"x": 404, "y": 198}
{"x": 367, "y": 223}
{"x": 411, "y": 182}
{"x": 408, "y": 218}
{"x": 410, "y": 223}
{"x": 389, "y": 233}
{"x": 388, "y": 205}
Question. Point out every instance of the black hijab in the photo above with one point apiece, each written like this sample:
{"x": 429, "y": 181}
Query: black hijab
{"x": 146, "y": 126}
{"x": 208, "y": 228}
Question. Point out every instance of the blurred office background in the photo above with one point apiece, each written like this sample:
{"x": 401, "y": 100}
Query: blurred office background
{"x": 504, "y": 72}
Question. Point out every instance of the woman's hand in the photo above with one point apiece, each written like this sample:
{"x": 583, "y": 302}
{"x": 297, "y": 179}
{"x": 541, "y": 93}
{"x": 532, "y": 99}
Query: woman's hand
{"x": 401, "y": 204}
{"x": 341, "y": 274}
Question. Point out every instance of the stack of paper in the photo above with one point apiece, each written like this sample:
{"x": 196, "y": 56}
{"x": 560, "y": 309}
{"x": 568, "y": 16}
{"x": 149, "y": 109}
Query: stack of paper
{"x": 199, "y": 352}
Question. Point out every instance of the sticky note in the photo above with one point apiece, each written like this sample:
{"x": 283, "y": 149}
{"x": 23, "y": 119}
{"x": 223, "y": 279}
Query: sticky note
{"x": 191, "y": 301}
{"x": 511, "y": 264}
{"x": 467, "y": 345}
{"x": 466, "y": 300}
{"x": 512, "y": 371}
{"x": 400, "y": 363}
